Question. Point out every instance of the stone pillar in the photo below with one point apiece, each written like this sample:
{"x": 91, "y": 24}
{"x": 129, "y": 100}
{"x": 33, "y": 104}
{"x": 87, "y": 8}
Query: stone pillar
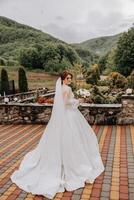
{"x": 127, "y": 114}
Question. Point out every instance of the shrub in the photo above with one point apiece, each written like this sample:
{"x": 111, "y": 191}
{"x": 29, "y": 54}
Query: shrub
{"x": 131, "y": 80}
{"x": 98, "y": 99}
{"x": 12, "y": 62}
{"x": 4, "y": 82}
{"x": 2, "y": 61}
{"x": 23, "y": 85}
{"x": 93, "y": 75}
{"x": 102, "y": 82}
{"x": 117, "y": 80}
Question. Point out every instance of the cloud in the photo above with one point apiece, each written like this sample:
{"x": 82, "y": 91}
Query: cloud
{"x": 72, "y": 20}
{"x": 67, "y": 34}
{"x": 97, "y": 24}
{"x": 60, "y": 18}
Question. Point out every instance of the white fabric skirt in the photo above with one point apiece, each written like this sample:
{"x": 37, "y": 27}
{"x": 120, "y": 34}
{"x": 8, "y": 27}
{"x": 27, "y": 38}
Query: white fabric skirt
{"x": 64, "y": 160}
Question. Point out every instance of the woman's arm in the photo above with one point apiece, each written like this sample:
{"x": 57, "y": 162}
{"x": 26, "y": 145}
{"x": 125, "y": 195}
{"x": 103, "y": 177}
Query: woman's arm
{"x": 70, "y": 101}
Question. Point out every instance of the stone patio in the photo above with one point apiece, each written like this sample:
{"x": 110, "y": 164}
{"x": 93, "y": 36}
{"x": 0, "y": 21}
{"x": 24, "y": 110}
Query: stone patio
{"x": 116, "y": 147}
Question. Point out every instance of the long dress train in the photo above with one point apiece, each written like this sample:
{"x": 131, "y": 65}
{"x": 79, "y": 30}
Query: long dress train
{"x": 64, "y": 158}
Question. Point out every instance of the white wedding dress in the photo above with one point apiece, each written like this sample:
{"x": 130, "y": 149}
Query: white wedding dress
{"x": 67, "y": 154}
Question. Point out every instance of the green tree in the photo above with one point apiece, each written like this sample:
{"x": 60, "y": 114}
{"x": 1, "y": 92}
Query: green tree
{"x": 29, "y": 57}
{"x": 72, "y": 55}
{"x": 2, "y": 61}
{"x": 77, "y": 71}
{"x": 131, "y": 80}
{"x": 93, "y": 74}
{"x": 4, "y": 82}
{"x": 49, "y": 53}
{"x": 102, "y": 63}
{"x": 62, "y": 51}
{"x": 124, "y": 55}
{"x": 22, "y": 80}
{"x": 87, "y": 57}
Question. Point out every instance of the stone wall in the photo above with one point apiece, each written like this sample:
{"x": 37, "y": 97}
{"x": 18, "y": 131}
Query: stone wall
{"x": 28, "y": 113}
{"x": 19, "y": 113}
{"x": 127, "y": 114}
{"x": 15, "y": 113}
{"x": 101, "y": 113}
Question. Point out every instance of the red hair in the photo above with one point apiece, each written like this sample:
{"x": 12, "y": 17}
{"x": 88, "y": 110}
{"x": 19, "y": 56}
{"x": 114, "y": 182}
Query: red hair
{"x": 64, "y": 74}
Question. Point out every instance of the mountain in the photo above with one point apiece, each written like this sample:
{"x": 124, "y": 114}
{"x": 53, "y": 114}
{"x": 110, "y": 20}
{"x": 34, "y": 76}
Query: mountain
{"x": 14, "y": 36}
{"x": 100, "y": 45}
{"x": 86, "y": 55}
{"x": 14, "y": 31}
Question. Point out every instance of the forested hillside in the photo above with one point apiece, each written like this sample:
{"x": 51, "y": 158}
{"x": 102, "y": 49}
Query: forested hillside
{"x": 32, "y": 48}
{"x": 100, "y": 45}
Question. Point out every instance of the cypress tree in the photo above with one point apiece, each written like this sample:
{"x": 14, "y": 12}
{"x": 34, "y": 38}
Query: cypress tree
{"x": 23, "y": 85}
{"x": 4, "y": 82}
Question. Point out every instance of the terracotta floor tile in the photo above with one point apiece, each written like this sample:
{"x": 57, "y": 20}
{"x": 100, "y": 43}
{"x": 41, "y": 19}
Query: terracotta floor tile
{"x": 115, "y": 158}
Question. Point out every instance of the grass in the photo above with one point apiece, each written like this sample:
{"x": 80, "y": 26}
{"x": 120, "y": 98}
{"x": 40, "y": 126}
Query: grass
{"x": 39, "y": 78}
{"x": 36, "y": 78}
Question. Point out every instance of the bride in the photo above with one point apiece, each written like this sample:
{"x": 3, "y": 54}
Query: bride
{"x": 67, "y": 155}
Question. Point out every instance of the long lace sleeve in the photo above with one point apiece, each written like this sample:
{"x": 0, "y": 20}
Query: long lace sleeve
{"x": 69, "y": 99}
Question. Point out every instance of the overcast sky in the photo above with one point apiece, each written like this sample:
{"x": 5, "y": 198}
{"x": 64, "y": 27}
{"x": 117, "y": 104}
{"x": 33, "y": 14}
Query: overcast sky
{"x": 72, "y": 20}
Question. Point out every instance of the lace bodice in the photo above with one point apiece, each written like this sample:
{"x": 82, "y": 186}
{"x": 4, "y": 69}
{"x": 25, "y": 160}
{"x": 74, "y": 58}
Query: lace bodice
{"x": 68, "y": 97}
